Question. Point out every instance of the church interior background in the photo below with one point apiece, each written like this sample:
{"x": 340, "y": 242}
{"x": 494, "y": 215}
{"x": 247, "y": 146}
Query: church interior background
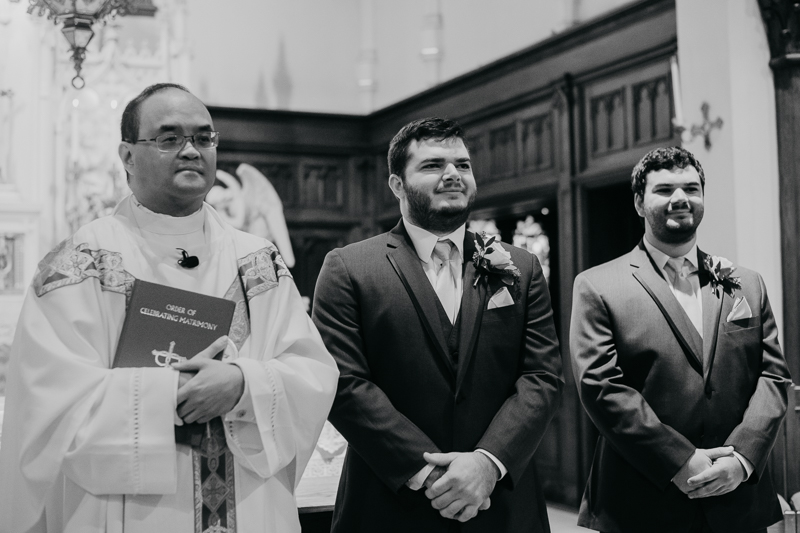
{"x": 560, "y": 98}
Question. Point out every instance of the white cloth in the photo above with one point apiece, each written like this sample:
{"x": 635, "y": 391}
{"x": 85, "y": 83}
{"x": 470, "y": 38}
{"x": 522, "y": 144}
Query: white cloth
{"x": 690, "y": 267}
{"x": 424, "y": 243}
{"x": 78, "y": 435}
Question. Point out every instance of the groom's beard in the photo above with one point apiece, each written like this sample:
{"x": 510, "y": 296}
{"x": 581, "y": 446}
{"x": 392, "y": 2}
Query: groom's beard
{"x": 444, "y": 219}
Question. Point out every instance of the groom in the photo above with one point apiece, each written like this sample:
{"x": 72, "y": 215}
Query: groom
{"x": 677, "y": 363}
{"x": 450, "y": 373}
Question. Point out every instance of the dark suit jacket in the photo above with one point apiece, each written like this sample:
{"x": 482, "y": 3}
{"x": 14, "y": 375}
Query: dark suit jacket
{"x": 656, "y": 391}
{"x": 400, "y": 394}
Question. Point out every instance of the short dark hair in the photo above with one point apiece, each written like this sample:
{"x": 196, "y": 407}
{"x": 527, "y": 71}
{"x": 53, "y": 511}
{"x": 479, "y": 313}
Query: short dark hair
{"x": 420, "y": 129}
{"x": 130, "y": 117}
{"x": 667, "y": 158}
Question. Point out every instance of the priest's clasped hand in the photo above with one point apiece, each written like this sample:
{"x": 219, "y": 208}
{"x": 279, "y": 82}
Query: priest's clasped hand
{"x": 208, "y": 388}
{"x": 465, "y": 487}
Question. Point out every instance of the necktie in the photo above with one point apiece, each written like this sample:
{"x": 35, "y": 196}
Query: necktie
{"x": 678, "y": 269}
{"x": 446, "y": 277}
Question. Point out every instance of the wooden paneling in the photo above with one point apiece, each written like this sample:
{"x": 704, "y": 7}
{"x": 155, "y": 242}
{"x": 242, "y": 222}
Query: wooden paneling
{"x": 607, "y": 121}
{"x": 652, "y": 110}
{"x": 537, "y": 143}
{"x": 502, "y": 152}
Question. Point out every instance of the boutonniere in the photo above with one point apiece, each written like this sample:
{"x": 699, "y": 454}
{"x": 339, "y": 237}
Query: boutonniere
{"x": 720, "y": 270}
{"x": 493, "y": 261}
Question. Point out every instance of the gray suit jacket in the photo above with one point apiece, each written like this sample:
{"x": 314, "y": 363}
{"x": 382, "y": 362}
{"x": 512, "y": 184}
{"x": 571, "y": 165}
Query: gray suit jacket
{"x": 656, "y": 390}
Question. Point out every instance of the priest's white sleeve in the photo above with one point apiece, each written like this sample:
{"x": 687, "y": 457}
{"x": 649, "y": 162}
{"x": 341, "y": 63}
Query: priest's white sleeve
{"x": 290, "y": 382}
{"x": 109, "y": 430}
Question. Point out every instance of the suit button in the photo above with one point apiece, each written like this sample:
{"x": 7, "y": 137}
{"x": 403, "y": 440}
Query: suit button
{"x": 460, "y": 398}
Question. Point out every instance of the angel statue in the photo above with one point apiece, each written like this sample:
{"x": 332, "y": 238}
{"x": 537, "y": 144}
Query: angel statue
{"x": 252, "y": 206}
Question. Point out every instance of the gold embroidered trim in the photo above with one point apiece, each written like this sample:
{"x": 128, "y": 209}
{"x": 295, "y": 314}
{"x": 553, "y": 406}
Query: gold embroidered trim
{"x": 258, "y": 273}
{"x": 68, "y": 264}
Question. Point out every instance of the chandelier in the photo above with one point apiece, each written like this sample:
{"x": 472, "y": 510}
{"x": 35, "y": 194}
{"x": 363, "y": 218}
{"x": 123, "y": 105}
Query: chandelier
{"x": 77, "y": 18}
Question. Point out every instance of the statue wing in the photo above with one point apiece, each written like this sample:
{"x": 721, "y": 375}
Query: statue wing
{"x": 263, "y": 202}
{"x": 229, "y": 200}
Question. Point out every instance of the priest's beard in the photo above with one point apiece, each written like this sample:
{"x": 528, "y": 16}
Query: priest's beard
{"x": 441, "y": 220}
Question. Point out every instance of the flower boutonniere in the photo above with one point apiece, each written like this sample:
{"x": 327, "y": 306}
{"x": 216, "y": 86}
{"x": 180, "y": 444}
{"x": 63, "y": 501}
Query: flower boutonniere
{"x": 494, "y": 260}
{"x": 720, "y": 270}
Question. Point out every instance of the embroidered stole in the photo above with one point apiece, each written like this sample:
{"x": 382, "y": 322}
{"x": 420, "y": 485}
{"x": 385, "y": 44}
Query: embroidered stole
{"x": 214, "y": 497}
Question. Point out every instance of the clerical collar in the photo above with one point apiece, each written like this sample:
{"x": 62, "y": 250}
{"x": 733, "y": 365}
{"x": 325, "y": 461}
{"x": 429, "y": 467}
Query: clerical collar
{"x": 424, "y": 241}
{"x": 161, "y": 224}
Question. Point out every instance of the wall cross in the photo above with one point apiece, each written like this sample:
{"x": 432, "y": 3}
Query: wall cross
{"x": 705, "y": 128}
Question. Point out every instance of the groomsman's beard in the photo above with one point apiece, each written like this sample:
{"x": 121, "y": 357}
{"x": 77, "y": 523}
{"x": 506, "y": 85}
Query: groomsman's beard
{"x": 445, "y": 219}
{"x": 676, "y": 234}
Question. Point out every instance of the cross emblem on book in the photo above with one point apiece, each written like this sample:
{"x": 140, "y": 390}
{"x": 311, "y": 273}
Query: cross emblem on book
{"x": 167, "y": 358}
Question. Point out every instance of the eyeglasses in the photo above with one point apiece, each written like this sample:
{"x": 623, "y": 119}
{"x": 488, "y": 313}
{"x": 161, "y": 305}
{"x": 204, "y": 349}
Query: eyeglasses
{"x": 172, "y": 142}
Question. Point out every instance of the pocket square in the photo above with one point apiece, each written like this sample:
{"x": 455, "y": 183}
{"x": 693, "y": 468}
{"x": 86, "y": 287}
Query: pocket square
{"x": 501, "y": 298}
{"x": 741, "y": 310}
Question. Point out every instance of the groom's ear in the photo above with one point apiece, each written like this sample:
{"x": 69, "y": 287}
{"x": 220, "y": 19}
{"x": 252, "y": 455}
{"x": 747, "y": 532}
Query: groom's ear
{"x": 637, "y": 204}
{"x": 396, "y": 185}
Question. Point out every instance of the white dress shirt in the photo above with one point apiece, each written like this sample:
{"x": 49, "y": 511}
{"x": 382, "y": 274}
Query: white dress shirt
{"x": 660, "y": 258}
{"x": 424, "y": 242}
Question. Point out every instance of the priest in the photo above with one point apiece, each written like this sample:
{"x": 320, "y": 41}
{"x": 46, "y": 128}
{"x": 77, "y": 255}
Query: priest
{"x": 88, "y": 447}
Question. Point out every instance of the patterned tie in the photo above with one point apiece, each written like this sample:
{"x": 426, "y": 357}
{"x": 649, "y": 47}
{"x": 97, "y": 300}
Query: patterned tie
{"x": 446, "y": 274}
{"x": 679, "y": 270}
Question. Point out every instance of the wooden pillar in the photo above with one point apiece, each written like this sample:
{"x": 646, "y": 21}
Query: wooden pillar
{"x": 782, "y": 23}
{"x": 570, "y": 444}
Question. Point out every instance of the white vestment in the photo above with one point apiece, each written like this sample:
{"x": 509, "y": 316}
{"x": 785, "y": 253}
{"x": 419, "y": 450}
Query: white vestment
{"x": 87, "y": 448}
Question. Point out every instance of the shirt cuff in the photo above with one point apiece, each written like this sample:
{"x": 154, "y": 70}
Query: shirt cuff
{"x": 416, "y": 482}
{"x": 496, "y": 461}
{"x": 748, "y": 467}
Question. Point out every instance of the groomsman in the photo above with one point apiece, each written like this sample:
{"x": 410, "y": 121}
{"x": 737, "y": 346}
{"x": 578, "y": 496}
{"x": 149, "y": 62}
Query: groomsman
{"x": 450, "y": 368}
{"x": 676, "y": 357}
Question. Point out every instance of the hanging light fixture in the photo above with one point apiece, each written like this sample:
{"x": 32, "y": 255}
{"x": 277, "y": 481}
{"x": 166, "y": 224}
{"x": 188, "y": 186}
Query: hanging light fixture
{"x": 77, "y": 18}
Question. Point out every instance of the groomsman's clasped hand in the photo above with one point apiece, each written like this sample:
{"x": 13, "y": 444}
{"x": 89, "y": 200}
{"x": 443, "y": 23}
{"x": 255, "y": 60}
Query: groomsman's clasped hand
{"x": 462, "y": 483}
{"x": 722, "y": 476}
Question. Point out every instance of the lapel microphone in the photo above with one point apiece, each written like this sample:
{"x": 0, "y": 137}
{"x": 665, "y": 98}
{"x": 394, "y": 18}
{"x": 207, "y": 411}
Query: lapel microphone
{"x": 188, "y": 261}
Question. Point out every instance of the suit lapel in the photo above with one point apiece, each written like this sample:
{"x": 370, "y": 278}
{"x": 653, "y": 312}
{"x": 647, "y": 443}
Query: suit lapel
{"x": 404, "y": 259}
{"x": 712, "y": 309}
{"x": 645, "y": 271}
{"x": 473, "y": 302}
